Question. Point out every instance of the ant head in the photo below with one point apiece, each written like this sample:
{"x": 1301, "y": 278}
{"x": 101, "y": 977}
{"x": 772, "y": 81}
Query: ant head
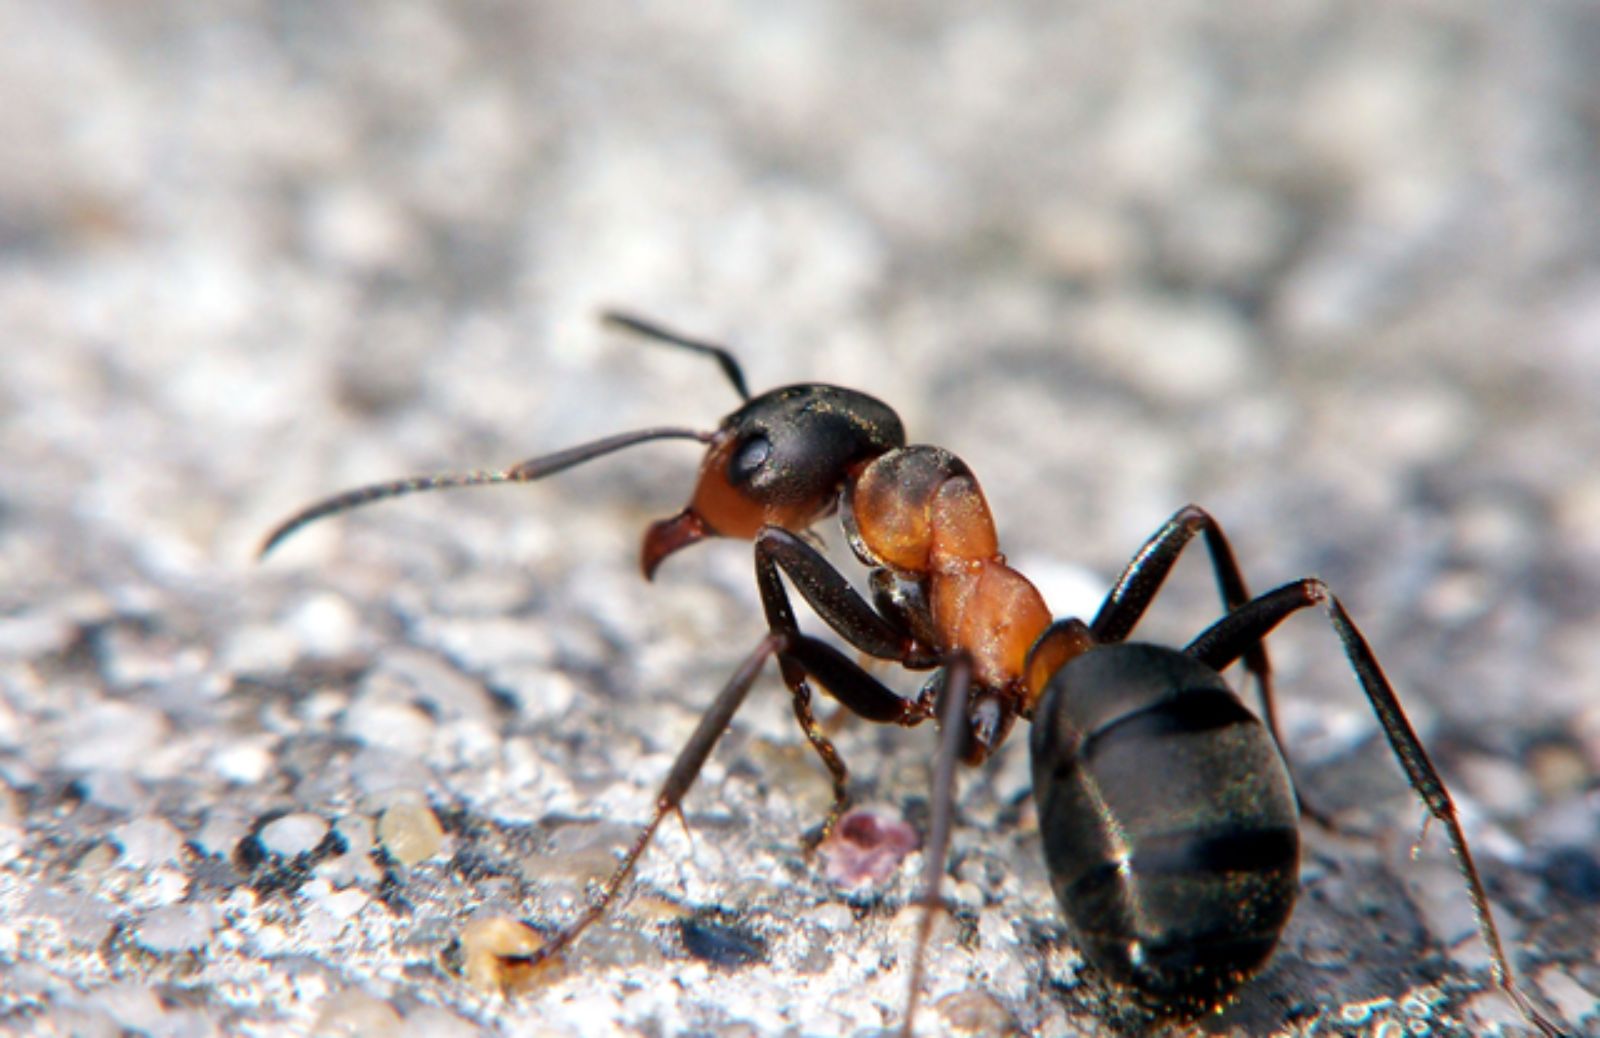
{"x": 780, "y": 460}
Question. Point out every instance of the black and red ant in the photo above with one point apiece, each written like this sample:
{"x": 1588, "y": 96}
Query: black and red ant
{"x": 1166, "y": 810}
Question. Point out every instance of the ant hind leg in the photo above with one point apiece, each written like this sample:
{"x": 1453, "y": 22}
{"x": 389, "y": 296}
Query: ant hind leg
{"x": 1222, "y": 643}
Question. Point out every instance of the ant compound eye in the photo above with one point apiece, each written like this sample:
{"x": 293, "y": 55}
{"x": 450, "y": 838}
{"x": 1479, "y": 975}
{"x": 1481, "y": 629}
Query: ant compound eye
{"x": 748, "y": 459}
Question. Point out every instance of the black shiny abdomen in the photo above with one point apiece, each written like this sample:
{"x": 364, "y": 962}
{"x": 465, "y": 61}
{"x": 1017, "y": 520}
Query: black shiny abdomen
{"x": 1168, "y": 819}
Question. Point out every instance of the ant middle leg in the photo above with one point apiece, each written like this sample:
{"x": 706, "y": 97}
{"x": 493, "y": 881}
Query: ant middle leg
{"x": 1229, "y": 638}
{"x": 1141, "y": 581}
{"x": 952, "y": 715}
{"x": 1147, "y": 571}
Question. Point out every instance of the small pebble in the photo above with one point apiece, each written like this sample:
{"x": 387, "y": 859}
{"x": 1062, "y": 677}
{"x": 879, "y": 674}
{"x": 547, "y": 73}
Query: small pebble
{"x": 84, "y": 921}
{"x": 93, "y": 864}
{"x": 113, "y": 788}
{"x": 148, "y": 842}
{"x": 420, "y": 677}
{"x": 294, "y": 835}
{"x": 11, "y": 842}
{"x": 341, "y": 905}
{"x": 172, "y": 929}
{"x": 11, "y": 723}
{"x": 1502, "y": 786}
{"x": 1558, "y": 769}
{"x": 221, "y": 832}
{"x": 360, "y": 228}
{"x": 410, "y": 832}
{"x": 833, "y": 917}
{"x": 32, "y": 634}
{"x": 399, "y": 727}
{"x": 258, "y": 648}
{"x": 135, "y": 1007}
{"x": 325, "y": 625}
{"x": 490, "y": 950}
{"x": 975, "y": 1012}
{"x": 354, "y": 1012}
{"x": 114, "y": 736}
{"x": 244, "y": 763}
{"x": 380, "y": 774}
{"x": 907, "y": 923}
{"x": 436, "y": 1022}
{"x": 355, "y": 865}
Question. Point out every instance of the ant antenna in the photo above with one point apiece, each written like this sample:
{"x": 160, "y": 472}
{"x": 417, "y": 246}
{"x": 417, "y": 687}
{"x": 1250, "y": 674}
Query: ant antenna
{"x": 524, "y": 472}
{"x": 651, "y": 330}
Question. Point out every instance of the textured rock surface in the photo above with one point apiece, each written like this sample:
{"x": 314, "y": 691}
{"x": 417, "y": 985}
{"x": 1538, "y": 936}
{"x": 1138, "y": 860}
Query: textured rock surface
{"x": 1335, "y": 274}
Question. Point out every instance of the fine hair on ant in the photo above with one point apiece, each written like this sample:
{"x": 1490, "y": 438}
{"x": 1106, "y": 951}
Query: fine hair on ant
{"x": 1167, "y": 814}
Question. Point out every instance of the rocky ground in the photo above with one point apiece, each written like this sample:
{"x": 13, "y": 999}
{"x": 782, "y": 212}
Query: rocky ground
{"x": 1333, "y": 272}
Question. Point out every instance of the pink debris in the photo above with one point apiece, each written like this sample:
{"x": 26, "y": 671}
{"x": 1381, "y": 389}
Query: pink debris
{"x": 865, "y": 847}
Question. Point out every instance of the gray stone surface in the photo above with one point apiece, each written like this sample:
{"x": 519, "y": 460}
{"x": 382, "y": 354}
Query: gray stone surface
{"x": 1333, "y": 271}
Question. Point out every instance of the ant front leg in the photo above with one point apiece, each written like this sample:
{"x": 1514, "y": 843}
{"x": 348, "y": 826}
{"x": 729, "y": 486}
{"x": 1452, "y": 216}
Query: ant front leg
{"x": 1229, "y": 638}
{"x": 846, "y": 612}
{"x": 685, "y": 769}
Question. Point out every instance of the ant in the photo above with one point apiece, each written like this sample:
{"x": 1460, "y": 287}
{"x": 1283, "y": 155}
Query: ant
{"x": 1177, "y": 888}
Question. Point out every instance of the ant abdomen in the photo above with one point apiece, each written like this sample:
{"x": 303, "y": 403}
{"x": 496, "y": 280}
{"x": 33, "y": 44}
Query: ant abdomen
{"x": 1168, "y": 821}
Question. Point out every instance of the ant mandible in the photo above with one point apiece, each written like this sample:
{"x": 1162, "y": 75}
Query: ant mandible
{"x": 1177, "y": 888}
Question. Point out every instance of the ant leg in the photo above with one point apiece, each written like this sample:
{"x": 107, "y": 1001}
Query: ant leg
{"x": 859, "y": 692}
{"x": 839, "y": 605}
{"x": 1228, "y": 638}
{"x": 682, "y": 775}
{"x": 957, "y": 685}
{"x": 1141, "y": 581}
{"x": 848, "y": 613}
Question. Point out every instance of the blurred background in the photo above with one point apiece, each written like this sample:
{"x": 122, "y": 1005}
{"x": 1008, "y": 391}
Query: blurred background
{"x": 1333, "y": 272}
